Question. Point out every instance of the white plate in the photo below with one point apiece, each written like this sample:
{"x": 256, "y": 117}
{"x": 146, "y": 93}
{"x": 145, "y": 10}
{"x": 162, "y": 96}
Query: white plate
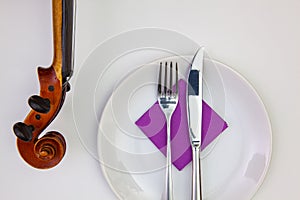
{"x": 119, "y": 56}
{"x": 233, "y": 166}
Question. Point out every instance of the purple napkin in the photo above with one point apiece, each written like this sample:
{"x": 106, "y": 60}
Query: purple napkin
{"x": 153, "y": 124}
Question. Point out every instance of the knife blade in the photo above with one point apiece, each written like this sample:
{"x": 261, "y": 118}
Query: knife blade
{"x": 195, "y": 97}
{"x": 194, "y": 108}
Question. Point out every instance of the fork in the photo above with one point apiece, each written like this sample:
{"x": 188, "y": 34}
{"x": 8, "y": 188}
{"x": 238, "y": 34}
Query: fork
{"x": 168, "y": 100}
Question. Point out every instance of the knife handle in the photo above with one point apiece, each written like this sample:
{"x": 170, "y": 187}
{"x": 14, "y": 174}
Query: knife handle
{"x": 196, "y": 189}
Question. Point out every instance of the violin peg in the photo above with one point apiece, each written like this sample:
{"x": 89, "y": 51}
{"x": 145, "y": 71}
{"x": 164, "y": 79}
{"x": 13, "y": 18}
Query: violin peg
{"x": 23, "y": 131}
{"x": 39, "y": 104}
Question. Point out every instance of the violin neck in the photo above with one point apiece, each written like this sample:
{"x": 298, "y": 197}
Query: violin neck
{"x": 63, "y": 12}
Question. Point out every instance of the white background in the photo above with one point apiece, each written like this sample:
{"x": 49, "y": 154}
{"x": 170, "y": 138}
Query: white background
{"x": 260, "y": 39}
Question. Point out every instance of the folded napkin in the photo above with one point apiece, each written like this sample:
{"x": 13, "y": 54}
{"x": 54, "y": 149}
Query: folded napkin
{"x": 153, "y": 124}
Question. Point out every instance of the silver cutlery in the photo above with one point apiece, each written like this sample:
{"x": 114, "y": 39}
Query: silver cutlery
{"x": 168, "y": 99}
{"x": 194, "y": 109}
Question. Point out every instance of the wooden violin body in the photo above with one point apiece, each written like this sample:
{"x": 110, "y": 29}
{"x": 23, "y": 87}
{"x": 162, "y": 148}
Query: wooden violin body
{"x": 47, "y": 151}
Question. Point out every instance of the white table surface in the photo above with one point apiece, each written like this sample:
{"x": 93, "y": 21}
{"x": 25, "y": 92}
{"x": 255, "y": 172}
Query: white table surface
{"x": 260, "y": 39}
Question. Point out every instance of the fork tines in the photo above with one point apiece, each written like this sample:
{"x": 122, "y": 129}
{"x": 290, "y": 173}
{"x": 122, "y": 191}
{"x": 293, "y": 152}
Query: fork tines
{"x": 165, "y": 89}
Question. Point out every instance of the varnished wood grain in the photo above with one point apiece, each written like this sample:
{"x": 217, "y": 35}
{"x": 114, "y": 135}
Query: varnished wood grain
{"x": 47, "y": 151}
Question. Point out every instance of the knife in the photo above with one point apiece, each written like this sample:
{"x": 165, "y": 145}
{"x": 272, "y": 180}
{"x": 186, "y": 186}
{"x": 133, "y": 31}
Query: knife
{"x": 194, "y": 109}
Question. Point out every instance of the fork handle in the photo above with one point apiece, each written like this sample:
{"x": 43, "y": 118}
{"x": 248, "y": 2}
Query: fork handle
{"x": 168, "y": 194}
{"x": 196, "y": 191}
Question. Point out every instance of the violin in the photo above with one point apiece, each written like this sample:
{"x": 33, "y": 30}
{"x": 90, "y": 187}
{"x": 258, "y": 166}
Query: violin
{"x": 47, "y": 151}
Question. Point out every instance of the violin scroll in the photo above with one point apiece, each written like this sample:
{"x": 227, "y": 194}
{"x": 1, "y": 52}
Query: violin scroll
{"x": 51, "y": 147}
{"x": 46, "y": 152}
